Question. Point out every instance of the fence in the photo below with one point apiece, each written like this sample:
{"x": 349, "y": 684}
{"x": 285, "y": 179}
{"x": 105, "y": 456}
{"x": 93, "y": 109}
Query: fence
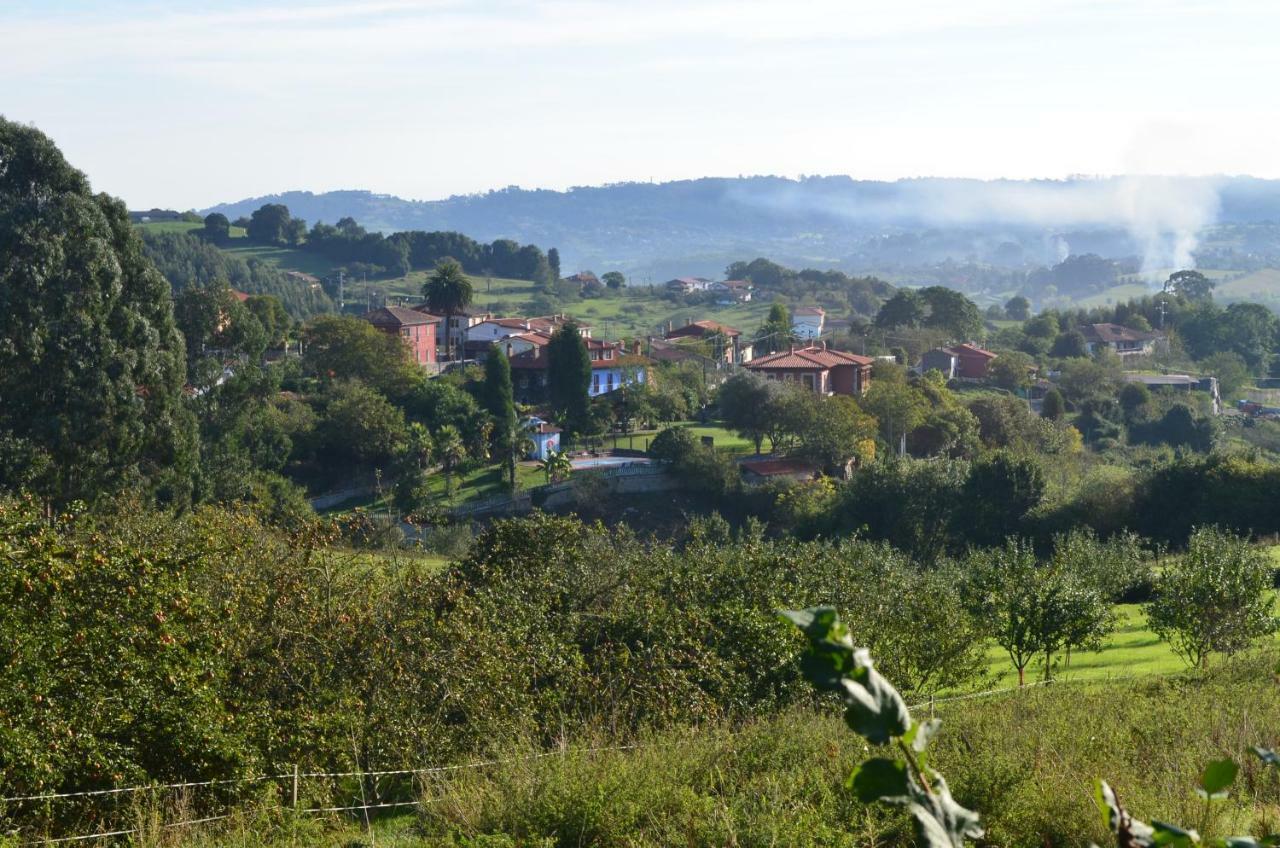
{"x": 295, "y": 782}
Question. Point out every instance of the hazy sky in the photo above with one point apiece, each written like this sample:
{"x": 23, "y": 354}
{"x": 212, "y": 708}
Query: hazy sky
{"x": 185, "y": 105}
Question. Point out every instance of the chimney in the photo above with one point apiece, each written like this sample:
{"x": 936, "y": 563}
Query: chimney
{"x": 687, "y": 320}
{"x": 824, "y": 344}
{"x": 793, "y": 347}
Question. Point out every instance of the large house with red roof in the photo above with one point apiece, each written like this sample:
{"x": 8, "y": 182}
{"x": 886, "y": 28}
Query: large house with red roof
{"x": 418, "y": 329}
{"x": 1120, "y": 339}
{"x": 828, "y": 372}
{"x": 733, "y": 351}
{"x": 965, "y": 361}
{"x": 532, "y": 331}
{"x": 612, "y": 367}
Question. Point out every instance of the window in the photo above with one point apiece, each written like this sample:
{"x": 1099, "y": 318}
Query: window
{"x": 808, "y": 381}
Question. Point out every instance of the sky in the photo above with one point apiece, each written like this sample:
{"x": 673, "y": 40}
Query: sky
{"x": 187, "y": 105}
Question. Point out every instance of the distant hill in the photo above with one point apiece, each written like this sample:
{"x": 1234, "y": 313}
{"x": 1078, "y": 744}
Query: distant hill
{"x": 660, "y": 230}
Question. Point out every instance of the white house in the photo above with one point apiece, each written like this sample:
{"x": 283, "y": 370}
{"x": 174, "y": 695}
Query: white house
{"x": 807, "y": 322}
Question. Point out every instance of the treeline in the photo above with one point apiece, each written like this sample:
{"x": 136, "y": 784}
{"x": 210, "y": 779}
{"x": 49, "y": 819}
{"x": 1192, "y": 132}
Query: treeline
{"x": 348, "y": 244}
{"x": 835, "y": 290}
{"x": 188, "y": 261}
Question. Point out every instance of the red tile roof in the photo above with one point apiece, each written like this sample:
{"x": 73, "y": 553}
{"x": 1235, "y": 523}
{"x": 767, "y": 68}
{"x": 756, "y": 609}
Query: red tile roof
{"x": 1109, "y": 333}
{"x": 809, "y": 310}
{"x": 536, "y": 359}
{"x": 703, "y": 328}
{"x": 398, "y": 316}
{"x": 809, "y": 358}
{"x": 972, "y": 350}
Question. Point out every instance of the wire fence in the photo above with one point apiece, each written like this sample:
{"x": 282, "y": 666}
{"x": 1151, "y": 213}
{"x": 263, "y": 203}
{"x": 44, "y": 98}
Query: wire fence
{"x": 292, "y": 782}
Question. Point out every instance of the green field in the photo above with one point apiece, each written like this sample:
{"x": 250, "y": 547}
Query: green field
{"x": 288, "y": 258}
{"x": 181, "y": 227}
{"x": 1252, "y": 286}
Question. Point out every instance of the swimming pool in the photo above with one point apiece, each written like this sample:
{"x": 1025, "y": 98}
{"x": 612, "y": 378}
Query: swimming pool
{"x": 608, "y": 461}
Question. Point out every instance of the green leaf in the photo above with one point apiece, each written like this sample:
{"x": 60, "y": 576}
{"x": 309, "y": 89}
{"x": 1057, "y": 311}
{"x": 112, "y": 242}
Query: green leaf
{"x": 939, "y": 821}
{"x": 1172, "y": 835}
{"x": 880, "y": 779}
{"x": 876, "y": 710}
{"x": 921, "y": 733}
{"x": 1117, "y": 820}
{"x": 1217, "y": 776}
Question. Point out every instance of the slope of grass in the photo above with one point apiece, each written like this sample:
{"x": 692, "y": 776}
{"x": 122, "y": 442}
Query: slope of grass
{"x": 1264, "y": 283}
{"x": 181, "y": 227}
{"x": 287, "y": 258}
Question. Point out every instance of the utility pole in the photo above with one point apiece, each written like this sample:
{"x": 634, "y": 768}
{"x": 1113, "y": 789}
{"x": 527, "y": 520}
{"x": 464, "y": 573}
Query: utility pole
{"x": 342, "y": 302}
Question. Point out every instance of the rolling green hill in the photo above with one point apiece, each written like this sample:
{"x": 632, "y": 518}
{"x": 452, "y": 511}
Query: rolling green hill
{"x": 637, "y": 311}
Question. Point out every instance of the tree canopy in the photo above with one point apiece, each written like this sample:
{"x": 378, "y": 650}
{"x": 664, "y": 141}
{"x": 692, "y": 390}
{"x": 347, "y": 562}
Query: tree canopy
{"x": 92, "y": 365}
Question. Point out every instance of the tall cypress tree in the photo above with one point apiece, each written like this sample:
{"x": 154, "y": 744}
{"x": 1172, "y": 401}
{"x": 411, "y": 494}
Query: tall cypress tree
{"x": 499, "y": 402}
{"x": 569, "y": 377}
{"x": 91, "y": 364}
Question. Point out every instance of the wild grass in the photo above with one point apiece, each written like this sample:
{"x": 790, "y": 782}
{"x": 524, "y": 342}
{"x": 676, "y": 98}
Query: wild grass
{"x": 1027, "y": 760}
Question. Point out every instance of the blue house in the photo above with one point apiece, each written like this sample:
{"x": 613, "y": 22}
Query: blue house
{"x": 612, "y": 367}
{"x": 545, "y": 436}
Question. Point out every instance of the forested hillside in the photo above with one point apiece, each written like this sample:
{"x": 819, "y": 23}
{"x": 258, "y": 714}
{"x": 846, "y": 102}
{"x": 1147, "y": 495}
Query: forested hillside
{"x": 188, "y": 261}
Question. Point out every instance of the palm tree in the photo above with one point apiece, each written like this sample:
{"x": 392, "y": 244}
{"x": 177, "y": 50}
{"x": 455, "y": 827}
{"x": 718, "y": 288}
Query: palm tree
{"x": 556, "y": 466}
{"x": 448, "y": 292}
{"x": 516, "y": 444}
{"x": 449, "y": 451}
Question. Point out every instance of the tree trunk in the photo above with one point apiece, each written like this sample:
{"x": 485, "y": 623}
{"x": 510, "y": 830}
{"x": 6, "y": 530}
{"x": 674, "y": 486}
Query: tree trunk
{"x": 1022, "y": 670}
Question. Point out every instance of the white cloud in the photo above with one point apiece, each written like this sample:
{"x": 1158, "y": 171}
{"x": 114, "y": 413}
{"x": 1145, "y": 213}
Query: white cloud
{"x": 428, "y": 97}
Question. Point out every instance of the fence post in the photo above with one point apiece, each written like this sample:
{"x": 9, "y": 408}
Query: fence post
{"x": 295, "y": 787}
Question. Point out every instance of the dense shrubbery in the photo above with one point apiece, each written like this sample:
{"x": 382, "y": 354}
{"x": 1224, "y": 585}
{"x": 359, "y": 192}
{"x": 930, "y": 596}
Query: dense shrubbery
{"x": 243, "y": 650}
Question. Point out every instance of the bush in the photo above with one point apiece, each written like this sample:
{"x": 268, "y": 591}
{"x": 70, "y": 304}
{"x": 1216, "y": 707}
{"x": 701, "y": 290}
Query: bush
{"x": 1214, "y": 598}
{"x": 673, "y": 444}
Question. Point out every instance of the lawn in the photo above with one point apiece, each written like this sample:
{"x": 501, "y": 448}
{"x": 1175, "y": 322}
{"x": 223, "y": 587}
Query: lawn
{"x": 181, "y": 227}
{"x": 1131, "y": 651}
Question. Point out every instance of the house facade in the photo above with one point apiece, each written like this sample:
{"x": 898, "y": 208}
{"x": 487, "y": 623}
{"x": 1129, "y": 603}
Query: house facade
{"x": 418, "y": 330}
{"x": 807, "y": 322}
{"x": 612, "y": 367}
{"x": 514, "y": 335}
{"x": 455, "y": 333}
{"x": 962, "y": 361}
{"x": 733, "y": 350}
{"x": 1120, "y": 340}
{"x": 689, "y": 285}
{"x": 545, "y": 437}
{"x": 828, "y": 372}
{"x": 732, "y": 291}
